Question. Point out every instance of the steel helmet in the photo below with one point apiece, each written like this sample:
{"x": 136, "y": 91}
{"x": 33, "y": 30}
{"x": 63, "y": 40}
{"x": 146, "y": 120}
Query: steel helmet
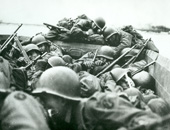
{"x": 31, "y": 47}
{"x": 106, "y": 52}
{"x": 118, "y": 73}
{"x": 134, "y": 92}
{"x": 56, "y": 61}
{"x": 40, "y": 39}
{"x": 145, "y": 80}
{"x": 67, "y": 58}
{"x": 60, "y": 81}
{"x": 108, "y": 32}
{"x": 99, "y": 22}
{"x": 133, "y": 52}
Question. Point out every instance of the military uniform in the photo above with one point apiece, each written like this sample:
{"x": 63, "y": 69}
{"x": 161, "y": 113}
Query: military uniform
{"x": 138, "y": 38}
{"x": 104, "y": 110}
{"x": 21, "y": 111}
{"x": 108, "y": 84}
{"x": 78, "y": 31}
{"x": 82, "y": 31}
{"x": 108, "y": 111}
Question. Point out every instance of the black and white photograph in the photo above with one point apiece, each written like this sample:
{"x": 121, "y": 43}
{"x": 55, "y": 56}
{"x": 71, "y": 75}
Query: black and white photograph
{"x": 84, "y": 65}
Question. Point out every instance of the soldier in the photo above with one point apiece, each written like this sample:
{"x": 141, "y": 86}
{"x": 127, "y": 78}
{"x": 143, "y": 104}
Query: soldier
{"x": 68, "y": 59}
{"x": 117, "y": 38}
{"x": 55, "y": 61}
{"x": 89, "y": 84}
{"x": 59, "y": 91}
{"x": 59, "y": 104}
{"x": 105, "y": 55}
{"x": 86, "y": 30}
{"x": 121, "y": 39}
{"x": 142, "y": 80}
{"x": 32, "y": 51}
{"x": 20, "y": 111}
{"x": 159, "y": 106}
{"x": 122, "y": 77}
{"x": 138, "y": 38}
{"x": 59, "y": 94}
{"x": 46, "y": 45}
{"x": 42, "y": 43}
{"x": 145, "y": 81}
{"x": 138, "y": 63}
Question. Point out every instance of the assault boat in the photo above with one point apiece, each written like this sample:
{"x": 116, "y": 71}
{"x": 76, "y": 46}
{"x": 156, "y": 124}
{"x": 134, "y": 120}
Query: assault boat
{"x": 160, "y": 70}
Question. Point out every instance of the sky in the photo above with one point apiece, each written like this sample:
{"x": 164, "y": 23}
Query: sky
{"x": 115, "y": 12}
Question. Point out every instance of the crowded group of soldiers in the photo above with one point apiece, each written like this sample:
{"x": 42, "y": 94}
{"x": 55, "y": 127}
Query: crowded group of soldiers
{"x": 45, "y": 88}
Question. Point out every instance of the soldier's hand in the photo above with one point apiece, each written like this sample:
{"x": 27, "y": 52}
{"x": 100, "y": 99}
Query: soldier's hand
{"x": 89, "y": 64}
{"x": 98, "y": 62}
{"x": 139, "y": 45}
{"x": 21, "y": 59}
{"x": 90, "y": 32}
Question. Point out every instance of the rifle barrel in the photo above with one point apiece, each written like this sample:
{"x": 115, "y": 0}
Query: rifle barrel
{"x": 11, "y": 37}
{"x": 95, "y": 55}
{"x": 143, "y": 68}
{"x": 133, "y": 59}
{"x": 115, "y": 61}
{"x": 5, "y": 45}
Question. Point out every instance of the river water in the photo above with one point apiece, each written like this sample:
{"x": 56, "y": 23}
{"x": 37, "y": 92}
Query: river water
{"x": 161, "y": 40}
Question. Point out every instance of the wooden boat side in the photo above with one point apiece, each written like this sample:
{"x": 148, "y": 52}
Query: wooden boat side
{"x": 161, "y": 73}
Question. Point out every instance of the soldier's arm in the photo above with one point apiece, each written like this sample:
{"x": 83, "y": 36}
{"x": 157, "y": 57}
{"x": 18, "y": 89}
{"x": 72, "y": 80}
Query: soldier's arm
{"x": 125, "y": 41}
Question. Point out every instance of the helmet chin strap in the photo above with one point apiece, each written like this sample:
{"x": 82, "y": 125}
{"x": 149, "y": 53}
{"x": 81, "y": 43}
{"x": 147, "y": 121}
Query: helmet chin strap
{"x": 130, "y": 82}
{"x": 68, "y": 115}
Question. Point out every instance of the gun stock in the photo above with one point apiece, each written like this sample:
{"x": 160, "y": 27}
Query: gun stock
{"x": 33, "y": 62}
{"x": 114, "y": 62}
{"x": 133, "y": 59}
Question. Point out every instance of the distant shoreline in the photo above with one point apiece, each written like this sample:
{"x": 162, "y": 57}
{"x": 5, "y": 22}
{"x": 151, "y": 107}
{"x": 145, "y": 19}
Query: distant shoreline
{"x": 20, "y": 23}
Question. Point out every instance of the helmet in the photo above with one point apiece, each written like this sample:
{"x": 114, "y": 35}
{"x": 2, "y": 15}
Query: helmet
{"x": 99, "y": 22}
{"x": 118, "y": 73}
{"x": 60, "y": 81}
{"x": 67, "y": 58}
{"x": 106, "y": 52}
{"x": 40, "y": 39}
{"x": 145, "y": 80}
{"x": 89, "y": 85}
{"x": 108, "y": 32}
{"x": 31, "y": 47}
{"x": 56, "y": 61}
{"x": 133, "y": 52}
{"x": 159, "y": 106}
{"x": 134, "y": 92}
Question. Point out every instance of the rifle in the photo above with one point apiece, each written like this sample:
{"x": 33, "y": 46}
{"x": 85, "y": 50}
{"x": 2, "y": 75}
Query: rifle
{"x": 133, "y": 59}
{"x": 60, "y": 28}
{"x": 33, "y": 62}
{"x": 114, "y": 62}
{"x": 26, "y": 58}
{"x": 95, "y": 55}
{"x": 9, "y": 39}
{"x": 88, "y": 70}
{"x": 143, "y": 68}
